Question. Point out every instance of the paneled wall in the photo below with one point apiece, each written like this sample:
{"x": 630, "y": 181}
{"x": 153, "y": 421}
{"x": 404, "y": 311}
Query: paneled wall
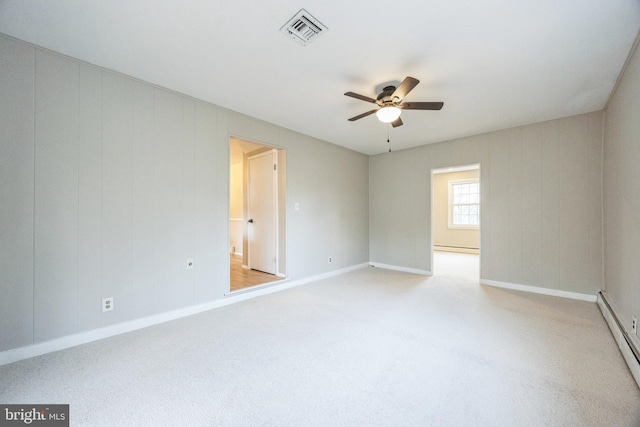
{"x": 56, "y": 212}
{"x": 621, "y": 202}
{"x": 17, "y": 111}
{"x": 541, "y": 212}
{"x": 108, "y": 185}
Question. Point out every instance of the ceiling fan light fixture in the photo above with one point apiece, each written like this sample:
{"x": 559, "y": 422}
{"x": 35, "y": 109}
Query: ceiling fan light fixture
{"x": 390, "y": 102}
{"x": 388, "y": 114}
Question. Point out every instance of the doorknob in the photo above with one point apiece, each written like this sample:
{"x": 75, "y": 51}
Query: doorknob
{"x": 250, "y": 221}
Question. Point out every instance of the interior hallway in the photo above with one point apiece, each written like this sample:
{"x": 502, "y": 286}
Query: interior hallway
{"x": 242, "y": 278}
{"x": 457, "y": 265}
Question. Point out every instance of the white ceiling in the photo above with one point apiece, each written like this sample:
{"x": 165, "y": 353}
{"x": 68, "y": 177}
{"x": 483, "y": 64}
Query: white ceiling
{"x": 494, "y": 63}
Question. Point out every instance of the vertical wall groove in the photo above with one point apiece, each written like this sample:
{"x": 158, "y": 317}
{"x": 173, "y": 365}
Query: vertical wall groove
{"x": 33, "y": 247}
{"x": 102, "y": 293}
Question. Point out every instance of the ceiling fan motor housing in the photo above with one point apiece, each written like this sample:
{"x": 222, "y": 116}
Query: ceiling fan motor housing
{"x": 385, "y": 95}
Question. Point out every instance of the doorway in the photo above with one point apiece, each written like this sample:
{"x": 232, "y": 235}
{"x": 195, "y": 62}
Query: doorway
{"x": 455, "y": 222}
{"x": 256, "y": 214}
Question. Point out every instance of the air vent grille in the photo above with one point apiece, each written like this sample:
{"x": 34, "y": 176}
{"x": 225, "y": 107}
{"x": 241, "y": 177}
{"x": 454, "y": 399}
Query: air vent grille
{"x": 303, "y": 28}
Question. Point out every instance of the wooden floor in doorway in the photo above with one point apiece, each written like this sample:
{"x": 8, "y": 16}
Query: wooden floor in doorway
{"x": 242, "y": 278}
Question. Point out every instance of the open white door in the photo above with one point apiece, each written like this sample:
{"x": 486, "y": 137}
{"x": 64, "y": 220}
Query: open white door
{"x": 262, "y": 207}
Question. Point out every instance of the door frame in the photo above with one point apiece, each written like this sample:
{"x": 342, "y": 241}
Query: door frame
{"x": 281, "y": 204}
{"x": 449, "y": 169}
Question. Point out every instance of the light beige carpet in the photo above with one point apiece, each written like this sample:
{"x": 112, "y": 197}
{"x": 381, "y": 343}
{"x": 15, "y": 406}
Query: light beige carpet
{"x": 372, "y": 347}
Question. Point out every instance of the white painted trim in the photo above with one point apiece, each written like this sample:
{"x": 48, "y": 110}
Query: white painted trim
{"x": 235, "y": 219}
{"x": 328, "y": 274}
{"x": 398, "y": 268}
{"x": 537, "y": 290}
{"x": 16, "y": 354}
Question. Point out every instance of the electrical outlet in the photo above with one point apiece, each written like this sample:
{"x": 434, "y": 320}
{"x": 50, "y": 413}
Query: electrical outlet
{"x": 634, "y": 325}
{"x": 190, "y": 264}
{"x": 330, "y": 260}
{"x": 107, "y": 304}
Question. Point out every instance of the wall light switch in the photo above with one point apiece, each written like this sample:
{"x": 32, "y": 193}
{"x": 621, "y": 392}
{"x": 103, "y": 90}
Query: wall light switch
{"x": 190, "y": 264}
{"x": 297, "y": 206}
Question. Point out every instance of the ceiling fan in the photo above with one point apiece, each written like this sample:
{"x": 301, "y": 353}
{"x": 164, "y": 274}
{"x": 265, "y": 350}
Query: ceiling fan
{"x": 390, "y": 103}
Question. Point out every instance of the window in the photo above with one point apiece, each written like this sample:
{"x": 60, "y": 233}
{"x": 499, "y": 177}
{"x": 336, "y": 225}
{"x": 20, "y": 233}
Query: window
{"x": 464, "y": 203}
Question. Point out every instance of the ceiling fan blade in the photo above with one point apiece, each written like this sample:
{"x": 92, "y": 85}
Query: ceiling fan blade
{"x": 397, "y": 122}
{"x": 353, "y": 119}
{"x": 405, "y": 87}
{"x": 360, "y": 97}
{"x": 421, "y": 105}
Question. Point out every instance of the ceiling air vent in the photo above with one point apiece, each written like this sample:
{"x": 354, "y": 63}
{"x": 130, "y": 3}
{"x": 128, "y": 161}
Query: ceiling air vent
{"x": 303, "y": 28}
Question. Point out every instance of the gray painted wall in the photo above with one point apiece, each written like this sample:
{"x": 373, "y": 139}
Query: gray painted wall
{"x": 108, "y": 185}
{"x": 541, "y": 219}
{"x": 621, "y": 179}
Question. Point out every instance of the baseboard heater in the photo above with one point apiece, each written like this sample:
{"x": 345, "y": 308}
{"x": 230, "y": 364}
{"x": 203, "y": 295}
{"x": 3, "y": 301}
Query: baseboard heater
{"x": 458, "y": 249}
{"x": 627, "y": 347}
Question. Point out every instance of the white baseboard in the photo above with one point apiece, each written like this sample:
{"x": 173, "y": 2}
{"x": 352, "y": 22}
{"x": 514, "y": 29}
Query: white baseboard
{"x": 456, "y": 250}
{"x": 329, "y": 274}
{"x": 16, "y": 354}
{"x": 610, "y": 317}
{"x": 398, "y": 268}
{"x": 537, "y": 290}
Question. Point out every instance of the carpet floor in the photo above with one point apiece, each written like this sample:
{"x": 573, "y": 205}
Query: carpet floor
{"x": 371, "y": 347}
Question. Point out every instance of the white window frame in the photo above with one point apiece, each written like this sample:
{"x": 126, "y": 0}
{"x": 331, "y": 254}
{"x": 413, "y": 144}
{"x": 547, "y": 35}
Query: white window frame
{"x": 451, "y": 183}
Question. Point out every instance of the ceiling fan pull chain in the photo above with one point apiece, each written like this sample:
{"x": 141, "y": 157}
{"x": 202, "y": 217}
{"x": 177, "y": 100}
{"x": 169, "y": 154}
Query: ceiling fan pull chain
{"x": 388, "y": 142}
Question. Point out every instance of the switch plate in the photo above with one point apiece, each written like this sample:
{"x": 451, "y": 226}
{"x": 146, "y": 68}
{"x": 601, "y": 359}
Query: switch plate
{"x": 297, "y": 206}
{"x": 107, "y": 304}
